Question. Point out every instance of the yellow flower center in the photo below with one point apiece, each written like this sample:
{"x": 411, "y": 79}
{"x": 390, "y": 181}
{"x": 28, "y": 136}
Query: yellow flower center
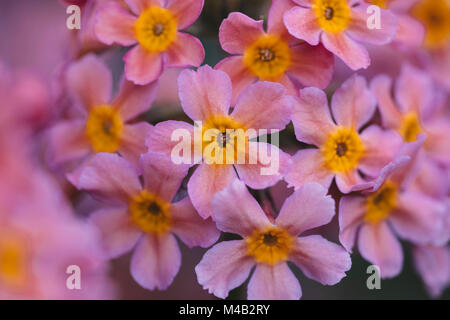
{"x": 268, "y": 58}
{"x": 342, "y": 150}
{"x": 380, "y": 3}
{"x": 13, "y": 261}
{"x": 333, "y": 16}
{"x": 104, "y": 128}
{"x": 156, "y": 29}
{"x": 270, "y": 246}
{"x": 150, "y": 213}
{"x": 410, "y": 127}
{"x": 435, "y": 15}
{"x": 381, "y": 203}
{"x": 224, "y": 140}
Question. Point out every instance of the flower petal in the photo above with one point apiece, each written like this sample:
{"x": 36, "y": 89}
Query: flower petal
{"x": 390, "y": 115}
{"x": 302, "y": 24}
{"x": 410, "y": 31}
{"x": 185, "y": 51}
{"x": 185, "y": 11}
{"x": 143, "y": 67}
{"x": 307, "y": 208}
{"x": 132, "y": 143}
{"x": 115, "y": 24}
{"x": 137, "y": 6}
{"x": 351, "y": 214}
{"x": 352, "y": 53}
{"x": 275, "y": 23}
{"x": 346, "y": 181}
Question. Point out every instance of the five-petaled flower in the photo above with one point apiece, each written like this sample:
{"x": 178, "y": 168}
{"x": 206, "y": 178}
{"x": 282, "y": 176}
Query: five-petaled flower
{"x": 272, "y": 56}
{"x": 270, "y": 244}
{"x": 340, "y": 25}
{"x": 154, "y": 27}
{"x": 143, "y": 216}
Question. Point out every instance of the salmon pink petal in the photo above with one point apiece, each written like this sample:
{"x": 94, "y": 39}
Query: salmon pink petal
{"x": 224, "y": 267}
{"x": 132, "y": 143}
{"x": 206, "y": 181}
{"x": 275, "y": 23}
{"x": 320, "y": 259}
{"x": 118, "y": 233}
{"x": 185, "y": 11}
{"x": 239, "y": 31}
{"x": 307, "y": 208}
{"x": 204, "y": 93}
{"x": 110, "y": 178}
{"x": 241, "y": 219}
{"x": 156, "y": 261}
{"x": 115, "y": 25}
{"x": 289, "y": 83}
{"x": 190, "y": 227}
{"x": 390, "y": 115}
{"x": 378, "y": 245}
{"x": 311, "y": 117}
{"x": 275, "y": 282}
{"x": 347, "y": 180}
{"x": 143, "y": 67}
{"x": 351, "y": 52}
{"x": 351, "y": 214}
{"x": 353, "y": 104}
{"x": 308, "y": 166}
{"x": 186, "y": 51}
{"x": 137, "y": 6}
{"x": 302, "y": 24}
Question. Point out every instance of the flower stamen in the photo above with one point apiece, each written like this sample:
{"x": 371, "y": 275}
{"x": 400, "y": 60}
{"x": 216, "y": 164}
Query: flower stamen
{"x": 270, "y": 245}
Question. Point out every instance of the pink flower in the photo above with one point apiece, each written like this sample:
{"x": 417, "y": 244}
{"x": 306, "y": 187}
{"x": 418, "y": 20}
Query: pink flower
{"x": 101, "y": 124}
{"x": 341, "y": 26}
{"x": 270, "y": 244}
{"x": 154, "y": 27}
{"x": 273, "y": 56}
{"x": 390, "y": 206}
{"x": 206, "y": 96}
{"x": 342, "y": 150}
{"x": 143, "y": 216}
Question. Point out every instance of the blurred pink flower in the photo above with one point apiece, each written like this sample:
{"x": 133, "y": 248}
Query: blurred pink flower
{"x": 341, "y": 26}
{"x": 270, "y": 244}
{"x": 154, "y": 27}
{"x": 206, "y": 96}
{"x": 101, "y": 124}
{"x": 143, "y": 216}
{"x": 272, "y": 56}
{"x": 342, "y": 150}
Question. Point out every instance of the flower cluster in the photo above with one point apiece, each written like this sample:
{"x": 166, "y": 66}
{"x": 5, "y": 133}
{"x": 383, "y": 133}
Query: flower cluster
{"x": 276, "y": 140}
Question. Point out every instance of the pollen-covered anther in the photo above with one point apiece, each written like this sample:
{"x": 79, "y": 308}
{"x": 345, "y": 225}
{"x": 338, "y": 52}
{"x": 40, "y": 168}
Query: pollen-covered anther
{"x": 104, "y": 129}
{"x": 271, "y": 245}
{"x": 332, "y": 15}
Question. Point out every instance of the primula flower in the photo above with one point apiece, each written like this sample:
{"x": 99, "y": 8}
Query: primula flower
{"x": 390, "y": 206}
{"x": 102, "y": 124}
{"x": 143, "y": 215}
{"x": 273, "y": 55}
{"x": 342, "y": 150}
{"x": 154, "y": 27}
{"x": 341, "y": 26}
{"x": 270, "y": 244}
{"x": 206, "y": 96}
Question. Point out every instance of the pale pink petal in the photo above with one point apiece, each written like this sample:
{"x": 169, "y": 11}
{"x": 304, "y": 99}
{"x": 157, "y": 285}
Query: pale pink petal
{"x": 353, "y": 104}
{"x": 347, "y": 180}
{"x": 89, "y": 82}
{"x": 74, "y": 176}
{"x": 410, "y": 31}
{"x": 206, "y": 181}
{"x": 185, "y": 11}
{"x": 143, "y": 67}
{"x": 432, "y": 179}
{"x": 311, "y": 117}
{"x": 307, "y": 208}
{"x": 241, "y": 219}
{"x": 275, "y": 282}
{"x": 115, "y": 25}
{"x": 185, "y": 51}
{"x": 359, "y": 31}
{"x": 304, "y": 3}
{"x": 133, "y": 100}
{"x": 302, "y": 24}
{"x": 239, "y": 31}
{"x": 138, "y": 6}
{"x": 118, "y": 233}
{"x": 351, "y": 214}
{"x": 132, "y": 143}
{"x": 272, "y": 165}
{"x": 438, "y": 143}
{"x": 378, "y": 245}
{"x": 311, "y": 65}
{"x": 204, "y": 93}
{"x": 275, "y": 23}
{"x": 263, "y": 105}
{"x": 110, "y": 178}
{"x": 351, "y": 52}
{"x": 308, "y": 166}
{"x": 190, "y": 227}
{"x": 161, "y": 176}
{"x": 224, "y": 267}
{"x": 238, "y": 72}
{"x": 320, "y": 259}
{"x": 156, "y": 261}
{"x": 390, "y": 114}
{"x": 380, "y": 147}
